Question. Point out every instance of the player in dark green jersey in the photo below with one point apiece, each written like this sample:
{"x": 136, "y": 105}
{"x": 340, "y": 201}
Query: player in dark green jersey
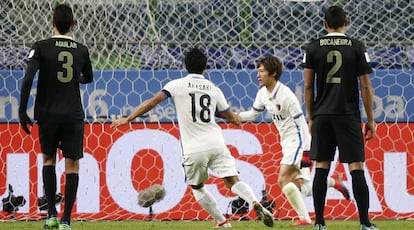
{"x": 336, "y": 63}
{"x": 62, "y": 64}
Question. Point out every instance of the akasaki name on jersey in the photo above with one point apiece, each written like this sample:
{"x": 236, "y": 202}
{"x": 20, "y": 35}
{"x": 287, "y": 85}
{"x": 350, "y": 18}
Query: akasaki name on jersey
{"x": 199, "y": 86}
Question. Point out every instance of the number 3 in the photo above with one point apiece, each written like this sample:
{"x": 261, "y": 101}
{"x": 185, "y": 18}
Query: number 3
{"x": 67, "y": 59}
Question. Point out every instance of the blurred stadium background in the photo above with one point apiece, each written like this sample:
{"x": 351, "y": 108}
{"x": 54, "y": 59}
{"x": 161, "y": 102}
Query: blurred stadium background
{"x": 153, "y": 34}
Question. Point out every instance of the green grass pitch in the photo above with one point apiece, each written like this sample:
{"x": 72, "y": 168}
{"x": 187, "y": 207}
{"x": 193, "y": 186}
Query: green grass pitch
{"x": 192, "y": 225}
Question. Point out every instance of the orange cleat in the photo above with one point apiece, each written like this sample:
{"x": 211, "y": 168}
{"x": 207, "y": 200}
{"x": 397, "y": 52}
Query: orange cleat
{"x": 298, "y": 223}
{"x": 224, "y": 224}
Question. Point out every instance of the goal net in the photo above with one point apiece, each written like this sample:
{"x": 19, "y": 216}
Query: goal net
{"x": 138, "y": 46}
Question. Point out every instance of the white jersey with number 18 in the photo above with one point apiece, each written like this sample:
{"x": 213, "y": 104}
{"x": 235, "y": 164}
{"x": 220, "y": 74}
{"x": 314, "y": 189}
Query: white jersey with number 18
{"x": 196, "y": 100}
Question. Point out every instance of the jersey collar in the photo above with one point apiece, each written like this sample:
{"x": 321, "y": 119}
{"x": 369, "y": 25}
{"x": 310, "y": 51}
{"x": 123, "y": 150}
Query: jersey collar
{"x": 276, "y": 89}
{"x": 336, "y": 34}
{"x": 62, "y": 36}
{"x": 194, "y": 75}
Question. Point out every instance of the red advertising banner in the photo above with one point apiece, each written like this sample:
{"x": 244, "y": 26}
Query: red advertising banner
{"x": 120, "y": 163}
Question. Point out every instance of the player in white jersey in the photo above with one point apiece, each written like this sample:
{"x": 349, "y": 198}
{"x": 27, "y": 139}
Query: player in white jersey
{"x": 197, "y": 100}
{"x": 194, "y": 97}
{"x": 288, "y": 117}
{"x": 289, "y": 120}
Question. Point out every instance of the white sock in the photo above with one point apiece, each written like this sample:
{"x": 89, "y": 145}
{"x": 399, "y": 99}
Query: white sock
{"x": 331, "y": 182}
{"x": 295, "y": 199}
{"x": 244, "y": 191}
{"x": 207, "y": 201}
{"x": 306, "y": 189}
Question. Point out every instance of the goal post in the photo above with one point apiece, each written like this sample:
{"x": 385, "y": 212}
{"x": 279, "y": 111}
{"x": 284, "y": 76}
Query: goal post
{"x": 137, "y": 46}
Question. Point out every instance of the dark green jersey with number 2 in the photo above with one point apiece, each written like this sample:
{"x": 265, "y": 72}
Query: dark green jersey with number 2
{"x": 338, "y": 61}
{"x": 62, "y": 63}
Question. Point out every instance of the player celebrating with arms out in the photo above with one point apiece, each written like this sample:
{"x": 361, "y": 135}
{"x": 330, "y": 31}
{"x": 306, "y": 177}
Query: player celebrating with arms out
{"x": 196, "y": 100}
{"x": 62, "y": 63}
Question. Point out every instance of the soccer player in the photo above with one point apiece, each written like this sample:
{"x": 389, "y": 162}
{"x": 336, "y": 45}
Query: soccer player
{"x": 288, "y": 118}
{"x": 335, "y": 63}
{"x": 62, "y": 63}
{"x": 197, "y": 100}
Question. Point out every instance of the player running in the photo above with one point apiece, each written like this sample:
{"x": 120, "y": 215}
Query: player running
{"x": 197, "y": 100}
{"x": 288, "y": 118}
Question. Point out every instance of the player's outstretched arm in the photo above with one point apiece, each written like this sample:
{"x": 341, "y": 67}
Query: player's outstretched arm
{"x": 247, "y": 116}
{"x": 232, "y": 117}
{"x": 146, "y": 106}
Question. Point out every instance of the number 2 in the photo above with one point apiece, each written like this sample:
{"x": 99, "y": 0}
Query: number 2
{"x": 330, "y": 78}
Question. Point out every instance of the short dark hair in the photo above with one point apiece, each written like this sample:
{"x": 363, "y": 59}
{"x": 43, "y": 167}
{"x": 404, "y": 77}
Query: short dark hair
{"x": 335, "y": 17}
{"x": 63, "y": 18}
{"x": 272, "y": 64}
{"x": 195, "y": 61}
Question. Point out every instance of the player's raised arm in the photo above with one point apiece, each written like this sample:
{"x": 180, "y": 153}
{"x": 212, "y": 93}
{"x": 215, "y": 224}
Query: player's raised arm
{"x": 146, "y": 106}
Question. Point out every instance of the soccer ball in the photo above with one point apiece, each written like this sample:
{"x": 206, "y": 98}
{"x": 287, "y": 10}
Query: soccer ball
{"x": 151, "y": 195}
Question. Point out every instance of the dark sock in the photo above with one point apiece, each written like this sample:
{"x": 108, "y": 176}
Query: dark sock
{"x": 361, "y": 195}
{"x": 49, "y": 185}
{"x": 319, "y": 194}
{"x": 72, "y": 181}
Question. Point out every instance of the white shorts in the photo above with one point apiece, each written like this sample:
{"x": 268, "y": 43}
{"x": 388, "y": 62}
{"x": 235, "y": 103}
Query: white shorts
{"x": 292, "y": 150}
{"x": 220, "y": 161}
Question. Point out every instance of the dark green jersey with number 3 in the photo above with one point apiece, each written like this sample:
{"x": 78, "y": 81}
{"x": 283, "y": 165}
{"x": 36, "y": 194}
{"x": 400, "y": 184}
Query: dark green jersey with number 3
{"x": 62, "y": 63}
{"x": 338, "y": 61}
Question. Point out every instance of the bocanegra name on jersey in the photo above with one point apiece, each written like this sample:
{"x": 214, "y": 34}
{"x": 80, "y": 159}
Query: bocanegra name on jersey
{"x": 335, "y": 42}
